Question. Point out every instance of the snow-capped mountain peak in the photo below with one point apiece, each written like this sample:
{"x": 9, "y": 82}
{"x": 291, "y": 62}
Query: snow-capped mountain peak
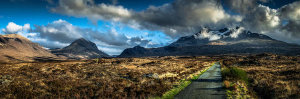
{"x": 216, "y": 42}
{"x": 219, "y": 34}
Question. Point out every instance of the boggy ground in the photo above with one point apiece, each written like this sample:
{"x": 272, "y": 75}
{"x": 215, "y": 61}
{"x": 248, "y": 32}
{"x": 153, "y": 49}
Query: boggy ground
{"x": 105, "y": 78}
{"x": 270, "y": 76}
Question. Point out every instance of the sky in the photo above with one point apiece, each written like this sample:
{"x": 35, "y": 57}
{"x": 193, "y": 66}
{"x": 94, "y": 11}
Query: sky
{"x": 115, "y": 25}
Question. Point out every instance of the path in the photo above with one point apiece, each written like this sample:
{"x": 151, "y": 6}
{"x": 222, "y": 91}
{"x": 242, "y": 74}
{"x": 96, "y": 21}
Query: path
{"x": 207, "y": 86}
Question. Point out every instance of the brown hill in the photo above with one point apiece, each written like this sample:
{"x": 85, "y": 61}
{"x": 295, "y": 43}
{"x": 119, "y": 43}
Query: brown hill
{"x": 16, "y": 48}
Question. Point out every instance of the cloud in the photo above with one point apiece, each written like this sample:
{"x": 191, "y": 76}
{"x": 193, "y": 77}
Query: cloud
{"x": 256, "y": 17}
{"x": 242, "y": 6}
{"x": 281, "y": 23}
{"x": 291, "y": 14}
{"x": 261, "y": 19}
{"x": 185, "y": 17}
{"x": 205, "y": 33}
{"x": 114, "y": 2}
{"x": 48, "y": 44}
{"x": 87, "y": 8}
{"x": 50, "y": 1}
{"x": 175, "y": 19}
{"x": 213, "y": 35}
{"x": 139, "y": 41}
{"x": 111, "y": 50}
{"x": 60, "y": 33}
{"x": 27, "y": 32}
{"x": 112, "y": 37}
{"x": 237, "y": 32}
{"x": 12, "y": 28}
{"x": 290, "y": 22}
{"x": 291, "y": 11}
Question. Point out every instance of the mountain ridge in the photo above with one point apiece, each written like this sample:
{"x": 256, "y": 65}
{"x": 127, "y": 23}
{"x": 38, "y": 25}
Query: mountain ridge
{"x": 80, "y": 49}
{"x": 16, "y": 48}
{"x": 214, "y": 42}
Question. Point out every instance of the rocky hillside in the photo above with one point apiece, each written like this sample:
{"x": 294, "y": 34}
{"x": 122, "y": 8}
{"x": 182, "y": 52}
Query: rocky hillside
{"x": 80, "y": 49}
{"x": 16, "y": 48}
{"x": 213, "y": 42}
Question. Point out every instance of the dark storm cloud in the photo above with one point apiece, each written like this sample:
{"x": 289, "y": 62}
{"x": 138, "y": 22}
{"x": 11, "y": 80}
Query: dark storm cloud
{"x": 256, "y": 17}
{"x": 261, "y": 19}
{"x": 281, "y": 23}
{"x": 293, "y": 28}
{"x": 175, "y": 19}
{"x": 139, "y": 41}
{"x": 291, "y": 14}
{"x": 95, "y": 12}
{"x": 242, "y": 6}
{"x": 185, "y": 17}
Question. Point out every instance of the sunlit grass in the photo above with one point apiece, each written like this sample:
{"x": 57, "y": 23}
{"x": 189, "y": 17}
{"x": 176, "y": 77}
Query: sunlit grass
{"x": 110, "y": 78}
{"x": 235, "y": 73}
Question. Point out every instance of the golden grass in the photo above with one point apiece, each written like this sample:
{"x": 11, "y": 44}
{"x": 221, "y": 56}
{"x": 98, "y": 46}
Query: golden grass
{"x": 270, "y": 76}
{"x": 111, "y": 78}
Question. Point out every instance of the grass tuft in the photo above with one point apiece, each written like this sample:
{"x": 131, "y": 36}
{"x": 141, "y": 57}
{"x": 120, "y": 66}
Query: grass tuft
{"x": 171, "y": 93}
{"x": 235, "y": 73}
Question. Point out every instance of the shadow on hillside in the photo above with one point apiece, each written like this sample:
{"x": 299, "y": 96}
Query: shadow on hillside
{"x": 46, "y": 59}
{"x": 13, "y": 59}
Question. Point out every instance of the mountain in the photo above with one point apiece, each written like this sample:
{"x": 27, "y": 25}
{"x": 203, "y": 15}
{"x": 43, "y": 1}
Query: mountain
{"x": 16, "y": 48}
{"x": 215, "y": 42}
{"x": 80, "y": 49}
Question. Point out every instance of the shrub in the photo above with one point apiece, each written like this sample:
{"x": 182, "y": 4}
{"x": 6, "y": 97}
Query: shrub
{"x": 226, "y": 84}
{"x": 235, "y": 73}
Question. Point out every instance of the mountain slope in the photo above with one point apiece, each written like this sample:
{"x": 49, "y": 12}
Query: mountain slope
{"x": 80, "y": 49}
{"x": 214, "y": 42}
{"x": 14, "y": 47}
